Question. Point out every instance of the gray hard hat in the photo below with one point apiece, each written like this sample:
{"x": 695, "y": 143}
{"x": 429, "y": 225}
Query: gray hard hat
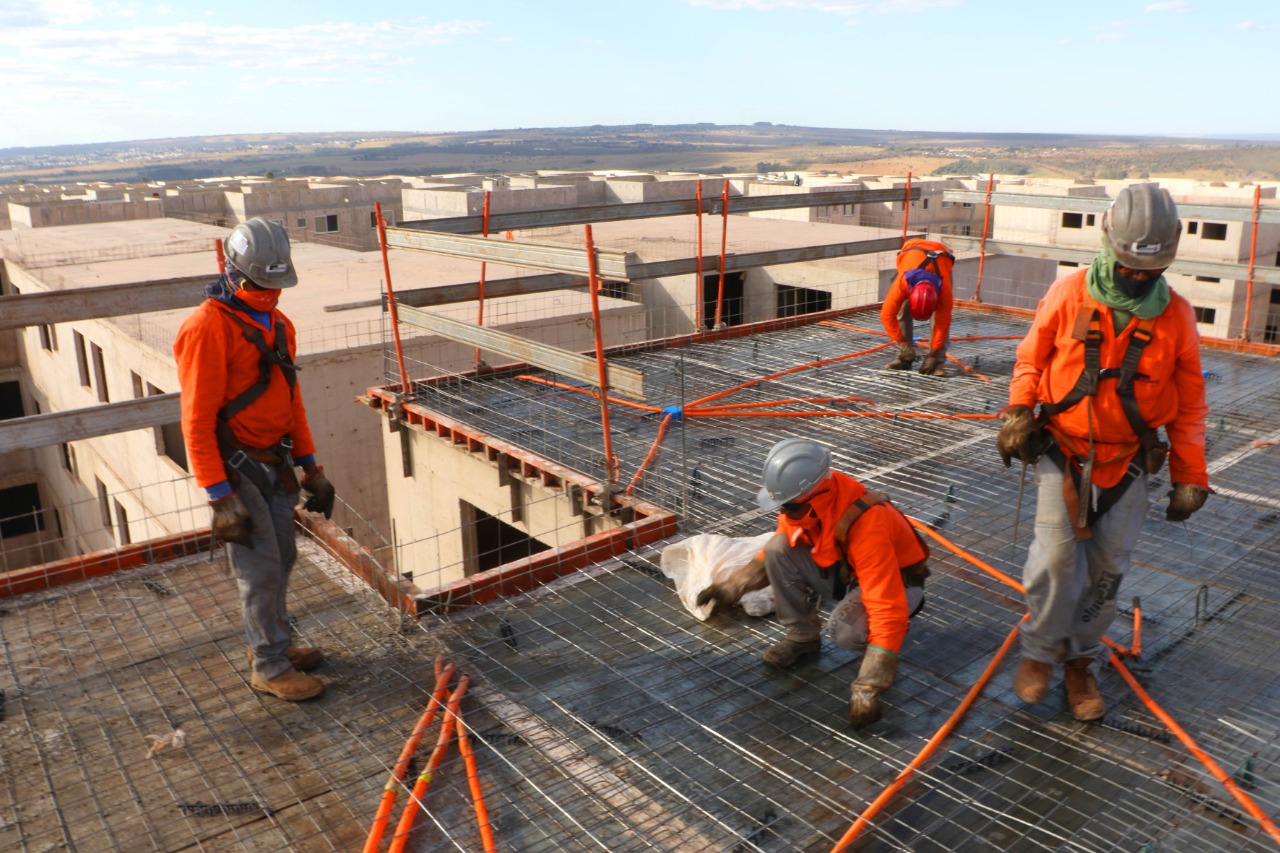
{"x": 792, "y": 468}
{"x": 1142, "y": 227}
{"x": 260, "y": 250}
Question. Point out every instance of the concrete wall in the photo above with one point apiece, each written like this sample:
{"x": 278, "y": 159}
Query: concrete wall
{"x": 44, "y": 214}
{"x": 438, "y": 202}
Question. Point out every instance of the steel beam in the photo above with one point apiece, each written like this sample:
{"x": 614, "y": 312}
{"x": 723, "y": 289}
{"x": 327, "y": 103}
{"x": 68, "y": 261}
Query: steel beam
{"x": 1093, "y": 204}
{"x": 109, "y": 300}
{"x": 57, "y": 427}
{"x": 623, "y": 380}
{"x": 1215, "y": 269}
{"x": 543, "y": 256}
{"x": 711, "y": 206}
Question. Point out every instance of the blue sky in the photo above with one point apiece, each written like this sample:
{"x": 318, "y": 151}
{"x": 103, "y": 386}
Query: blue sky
{"x": 74, "y": 71}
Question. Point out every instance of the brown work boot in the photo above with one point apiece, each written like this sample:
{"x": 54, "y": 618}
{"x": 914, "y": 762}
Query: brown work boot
{"x": 787, "y": 653}
{"x": 1031, "y": 681}
{"x": 290, "y": 685}
{"x": 302, "y": 658}
{"x": 1083, "y": 697}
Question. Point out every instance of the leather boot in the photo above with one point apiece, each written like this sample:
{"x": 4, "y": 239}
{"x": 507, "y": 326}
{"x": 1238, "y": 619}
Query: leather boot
{"x": 1083, "y": 697}
{"x": 875, "y": 676}
{"x": 290, "y": 685}
{"x": 1031, "y": 681}
{"x": 302, "y": 658}
{"x": 788, "y": 653}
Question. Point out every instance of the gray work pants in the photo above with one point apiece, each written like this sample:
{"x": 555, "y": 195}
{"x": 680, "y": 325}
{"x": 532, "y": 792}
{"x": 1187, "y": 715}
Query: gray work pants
{"x": 262, "y": 575}
{"x": 1071, "y": 585}
{"x": 799, "y": 586}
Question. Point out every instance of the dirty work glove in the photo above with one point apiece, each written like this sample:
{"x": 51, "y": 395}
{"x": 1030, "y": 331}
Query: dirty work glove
{"x": 875, "y": 676}
{"x": 318, "y": 491}
{"x": 906, "y": 355}
{"x": 1184, "y": 499}
{"x": 231, "y": 520}
{"x": 931, "y": 366}
{"x": 1020, "y": 436}
{"x": 749, "y": 578}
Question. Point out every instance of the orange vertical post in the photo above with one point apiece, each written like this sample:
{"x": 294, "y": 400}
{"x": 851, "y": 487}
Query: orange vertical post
{"x": 610, "y": 462}
{"x": 906, "y": 208}
{"x": 217, "y": 253}
{"x": 1253, "y": 257}
{"x": 484, "y": 231}
{"x": 724, "y": 240}
{"x": 698, "y": 309}
{"x": 982, "y": 245}
{"x": 391, "y": 297}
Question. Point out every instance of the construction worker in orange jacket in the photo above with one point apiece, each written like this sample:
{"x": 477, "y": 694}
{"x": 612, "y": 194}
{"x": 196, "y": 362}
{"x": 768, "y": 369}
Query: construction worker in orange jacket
{"x": 246, "y": 428}
{"x": 1112, "y": 356}
{"x": 837, "y": 542}
{"x": 921, "y": 290}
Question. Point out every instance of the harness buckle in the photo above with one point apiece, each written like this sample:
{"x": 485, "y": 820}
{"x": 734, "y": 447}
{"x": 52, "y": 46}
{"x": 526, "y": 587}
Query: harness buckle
{"x": 238, "y": 459}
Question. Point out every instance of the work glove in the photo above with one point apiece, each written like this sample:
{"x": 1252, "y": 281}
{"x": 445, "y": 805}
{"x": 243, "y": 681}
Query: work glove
{"x": 318, "y": 491}
{"x": 1184, "y": 499}
{"x": 750, "y": 577}
{"x": 931, "y": 366}
{"x": 875, "y": 676}
{"x": 1019, "y": 436}
{"x": 231, "y": 520}
{"x": 906, "y": 355}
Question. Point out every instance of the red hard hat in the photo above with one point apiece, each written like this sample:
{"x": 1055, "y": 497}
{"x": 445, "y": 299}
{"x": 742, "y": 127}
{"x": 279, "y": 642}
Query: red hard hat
{"x": 924, "y": 293}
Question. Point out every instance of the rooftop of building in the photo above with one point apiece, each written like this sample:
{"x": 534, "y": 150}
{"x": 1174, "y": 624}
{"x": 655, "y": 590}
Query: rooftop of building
{"x": 606, "y": 717}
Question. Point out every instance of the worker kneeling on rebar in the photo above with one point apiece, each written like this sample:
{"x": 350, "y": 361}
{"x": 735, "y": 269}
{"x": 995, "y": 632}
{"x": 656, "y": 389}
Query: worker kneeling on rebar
{"x": 1112, "y": 356}
{"x": 835, "y": 542}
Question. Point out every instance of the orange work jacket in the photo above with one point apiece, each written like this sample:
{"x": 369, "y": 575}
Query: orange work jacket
{"x": 215, "y": 364}
{"x": 880, "y": 544}
{"x": 1169, "y": 388}
{"x": 898, "y": 293}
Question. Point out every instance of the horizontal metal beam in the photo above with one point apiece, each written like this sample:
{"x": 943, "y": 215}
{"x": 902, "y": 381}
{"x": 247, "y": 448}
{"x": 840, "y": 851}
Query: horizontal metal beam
{"x": 622, "y": 380}
{"x": 1213, "y": 269}
{"x": 58, "y": 427}
{"x": 542, "y": 256}
{"x": 711, "y": 205}
{"x": 108, "y": 300}
{"x": 1093, "y": 204}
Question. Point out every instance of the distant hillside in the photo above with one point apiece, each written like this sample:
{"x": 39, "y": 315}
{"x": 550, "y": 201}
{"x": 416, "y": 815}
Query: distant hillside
{"x": 702, "y": 147}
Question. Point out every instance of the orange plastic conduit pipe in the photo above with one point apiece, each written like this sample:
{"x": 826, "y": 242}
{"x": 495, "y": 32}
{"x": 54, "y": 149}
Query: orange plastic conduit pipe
{"x": 610, "y": 461}
{"x": 391, "y": 298}
{"x": 724, "y": 240}
{"x": 906, "y": 209}
{"x": 864, "y": 819}
{"x": 743, "y": 385}
{"x": 653, "y": 452}
{"x": 982, "y": 244}
{"x": 589, "y": 392}
{"x": 882, "y": 333}
{"x": 1253, "y": 256}
{"x": 1217, "y": 772}
{"x": 410, "y": 814}
{"x": 473, "y": 781}
{"x": 484, "y": 232}
{"x": 443, "y": 674}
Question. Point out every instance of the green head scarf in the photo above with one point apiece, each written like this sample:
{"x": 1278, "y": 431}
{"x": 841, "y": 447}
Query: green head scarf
{"x": 1102, "y": 287}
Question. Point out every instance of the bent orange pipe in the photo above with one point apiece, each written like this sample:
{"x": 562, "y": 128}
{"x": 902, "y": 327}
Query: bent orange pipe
{"x": 653, "y": 451}
{"x": 410, "y": 814}
{"x": 473, "y": 782}
{"x": 878, "y": 804}
{"x": 444, "y": 672}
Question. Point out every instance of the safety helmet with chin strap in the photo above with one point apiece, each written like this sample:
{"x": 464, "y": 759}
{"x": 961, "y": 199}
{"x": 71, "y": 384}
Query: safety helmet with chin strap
{"x": 791, "y": 470}
{"x": 260, "y": 250}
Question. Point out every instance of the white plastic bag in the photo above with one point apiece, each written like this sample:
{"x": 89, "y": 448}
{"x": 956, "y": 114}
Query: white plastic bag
{"x": 704, "y": 559}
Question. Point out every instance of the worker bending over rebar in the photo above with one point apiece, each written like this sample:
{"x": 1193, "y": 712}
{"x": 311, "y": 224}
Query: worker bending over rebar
{"x": 835, "y": 542}
{"x": 920, "y": 291}
{"x": 1112, "y": 355}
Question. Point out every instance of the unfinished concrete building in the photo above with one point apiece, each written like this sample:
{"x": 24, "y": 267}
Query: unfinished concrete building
{"x": 527, "y": 524}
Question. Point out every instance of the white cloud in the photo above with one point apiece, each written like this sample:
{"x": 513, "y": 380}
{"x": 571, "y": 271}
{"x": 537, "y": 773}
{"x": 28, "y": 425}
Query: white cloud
{"x": 1168, "y": 6}
{"x": 200, "y": 46}
{"x": 843, "y": 8}
{"x": 1255, "y": 27}
{"x": 1111, "y": 31}
{"x": 39, "y": 13}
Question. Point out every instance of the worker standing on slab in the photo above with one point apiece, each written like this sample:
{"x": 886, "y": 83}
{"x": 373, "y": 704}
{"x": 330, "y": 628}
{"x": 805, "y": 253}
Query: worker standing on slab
{"x": 835, "y": 542}
{"x": 246, "y": 429}
{"x": 921, "y": 290}
{"x": 1112, "y": 355}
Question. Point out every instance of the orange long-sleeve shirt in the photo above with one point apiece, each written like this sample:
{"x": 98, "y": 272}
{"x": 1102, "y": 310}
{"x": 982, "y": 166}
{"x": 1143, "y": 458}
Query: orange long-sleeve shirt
{"x": 215, "y": 364}
{"x": 897, "y": 297}
{"x": 1169, "y": 389}
{"x": 879, "y": 545}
